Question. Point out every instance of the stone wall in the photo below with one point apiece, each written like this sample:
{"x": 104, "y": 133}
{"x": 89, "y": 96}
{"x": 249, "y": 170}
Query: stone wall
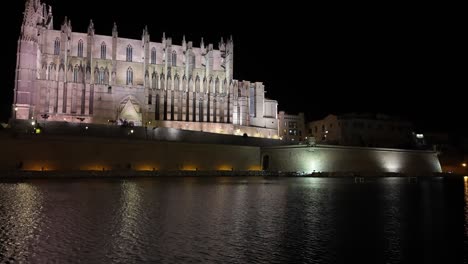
{"x": 323, "y": 158}
{"x": 86, "y": 153}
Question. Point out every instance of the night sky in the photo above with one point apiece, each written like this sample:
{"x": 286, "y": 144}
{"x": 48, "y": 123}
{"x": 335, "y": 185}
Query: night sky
{"x": 319, "y": 60}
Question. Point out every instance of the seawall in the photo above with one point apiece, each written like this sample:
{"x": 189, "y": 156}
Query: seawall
{"x": 25, "y": 152}
{"x": 326, "y": 158}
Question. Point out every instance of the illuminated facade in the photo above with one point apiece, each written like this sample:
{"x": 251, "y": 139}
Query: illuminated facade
{"x": 366, "y": 130}
{"x": 291, "y": 127}
{"x": 84, "y": 77}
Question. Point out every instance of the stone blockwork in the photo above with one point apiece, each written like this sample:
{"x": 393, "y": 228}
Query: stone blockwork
{"x": 322, "y": 158}
{"x": 78, "y": 153}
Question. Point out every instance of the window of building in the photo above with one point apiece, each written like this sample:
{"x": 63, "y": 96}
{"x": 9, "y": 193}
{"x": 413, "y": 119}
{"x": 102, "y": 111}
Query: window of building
{"x": 252, "y": 101}
{"x": 292, "y": 124}
{"x": 150, "y": 99}
{"x": 57, "y": 46}
{"x": 101, "y": 76}
{"x": 323, "y": 128}
{"x": 153, "y": 56}
{"x": 75, "y": 73}
{"x": 103, "y": 51}
{"x": 129, "y": 76}
{"x": 174, "y": 59}
{"x": 80, "y": 48}
{"x": 129, "y": 53}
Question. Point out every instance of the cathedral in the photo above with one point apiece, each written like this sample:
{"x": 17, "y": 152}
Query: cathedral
{"x": 69, "y": 76}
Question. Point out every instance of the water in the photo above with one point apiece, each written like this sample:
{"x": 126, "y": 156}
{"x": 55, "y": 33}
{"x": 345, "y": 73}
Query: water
{"x": 233, "y": 220}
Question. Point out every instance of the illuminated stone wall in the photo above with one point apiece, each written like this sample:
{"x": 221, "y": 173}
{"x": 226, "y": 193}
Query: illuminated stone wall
{"x": 75, "y": 153}
{"x": 350, "y": 159}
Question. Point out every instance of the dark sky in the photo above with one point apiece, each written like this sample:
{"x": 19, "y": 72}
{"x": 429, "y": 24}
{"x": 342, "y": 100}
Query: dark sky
{"x": 396, "y": 60}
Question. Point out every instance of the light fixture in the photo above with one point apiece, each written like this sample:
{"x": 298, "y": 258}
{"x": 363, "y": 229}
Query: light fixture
{"x": 463, "y": 164}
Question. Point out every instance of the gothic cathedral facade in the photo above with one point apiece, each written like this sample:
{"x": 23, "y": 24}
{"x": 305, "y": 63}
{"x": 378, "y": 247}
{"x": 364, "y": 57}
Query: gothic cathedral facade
{"x": 84, "y": 77}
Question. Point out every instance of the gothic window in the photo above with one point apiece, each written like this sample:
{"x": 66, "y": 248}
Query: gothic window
{"x": 174, "y": 59}
{"x": 153, "y": 56}
{"x": 52, "y": 69}
{"x": 150, "y": 98}
{"x": 75, "y": 73}
{"x": 191, "y": 64}
{"x": 129, "y": 53}
{"x": 57, "y": 46}
{"x": 156, "y": 109}
{"x": 252, "y": 101}
{"x": 80, "y": 48}
{"x": 129, "y": 76}
{"x": 101, "y": 76}
{"x": 103, "y": 51}
{"x": 197, "y": 84}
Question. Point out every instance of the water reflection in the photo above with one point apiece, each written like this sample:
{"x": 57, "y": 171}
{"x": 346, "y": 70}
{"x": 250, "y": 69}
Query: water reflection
{"x": 231, "y": 220}
{"x": 20, "y": 221}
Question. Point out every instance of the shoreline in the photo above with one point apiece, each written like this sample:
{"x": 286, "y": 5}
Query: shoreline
{"x": 129, "y": 174}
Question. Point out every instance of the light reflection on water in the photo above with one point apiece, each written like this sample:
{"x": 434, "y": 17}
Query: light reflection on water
{"x": 232, "y": 220}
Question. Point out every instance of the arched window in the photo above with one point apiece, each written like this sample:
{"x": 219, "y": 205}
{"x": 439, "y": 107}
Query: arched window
{"x": 57, "y": 46}
{"x": 52, "y": 69}
{"x": 103, "y": 50}
{"x": 101, "y": 76}
{"x": 75, "y": 73}
{"x": 174, "y": 58}
{"x": 156, "y": 109}
{"x": 129, "y": 53}
{"x": 129, "y": 76}
{"x": 150, "y": 98}
{"x": 191, "y": 64}
{"x": 80, "y": 48}
{"x": 153, "y": 56}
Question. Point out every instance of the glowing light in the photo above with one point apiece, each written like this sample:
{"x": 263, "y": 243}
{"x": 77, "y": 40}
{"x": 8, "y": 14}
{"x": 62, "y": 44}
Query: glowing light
{"x": 189, "y": 168}
{"x": 326, "y": 132}
{"x": 255, "y": 168}
{"x": 38, "y": 131}
{"x": 419, "y": 136}
{"x": 145, "y": 167}
{"x": 86, "y": 128}
{"x": 33, "y": 123}
{"x": 224, "y": 168}
{"x": 463, "y": 164}
{"x": 16, "y": 108}
{"x": 131, "y": 131}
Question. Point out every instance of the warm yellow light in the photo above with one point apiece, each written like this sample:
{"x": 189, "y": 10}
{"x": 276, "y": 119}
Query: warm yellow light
{"x": 33, "y": 123}
{"x": 224, "y": 168}
{"x": 38, "y": 130}
{"x": 16, "y": 108}
{"x": 189, "y": 168}
{"x": 463, "y": 164}
{"x": 255, "y": 168}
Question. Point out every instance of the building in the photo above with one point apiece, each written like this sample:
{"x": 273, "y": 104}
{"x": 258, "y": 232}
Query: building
{"x": 69, "y": 76}
{"x": 369, "y": 130}
{"x": 291, "y": 127}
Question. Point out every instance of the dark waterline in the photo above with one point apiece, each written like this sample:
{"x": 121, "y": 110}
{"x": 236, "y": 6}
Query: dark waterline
{"x": 234, "y": 220}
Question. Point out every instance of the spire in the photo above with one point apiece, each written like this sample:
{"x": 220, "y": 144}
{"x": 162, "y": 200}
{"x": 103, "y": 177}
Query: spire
{"x": 184, "y": 43}
{"x": 202, "y": 45}
{"x": 91, "y": 27}
{"x": 115, "y": 33}
{"x": 164, "y": 39}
